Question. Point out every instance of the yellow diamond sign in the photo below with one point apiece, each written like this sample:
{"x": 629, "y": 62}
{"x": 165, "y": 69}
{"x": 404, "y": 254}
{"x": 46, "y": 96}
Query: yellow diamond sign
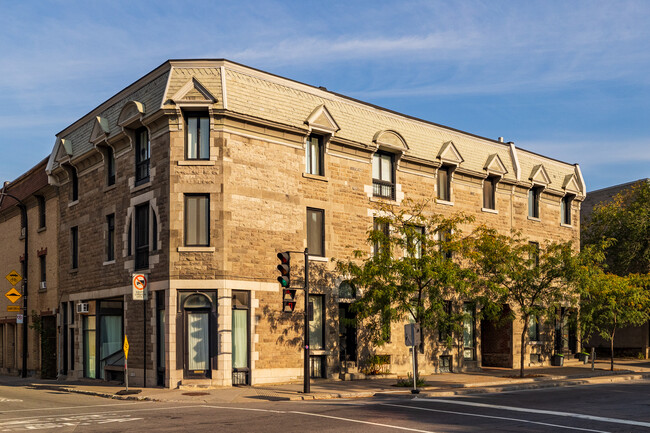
{"x": 13, "y": 295}
{"x": 126, "y": 348}
{"x": 13, "y": 277}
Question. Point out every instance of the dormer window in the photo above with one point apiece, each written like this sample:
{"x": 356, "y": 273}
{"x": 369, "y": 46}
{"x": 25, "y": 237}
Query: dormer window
{"x": 315, "y": 155}
{"x": 565, "y": 209}
{"x": 142, "y": 156}
{"x": 383, "y": 175}
{"x": 198, "y": 135}
{"x": 533, "y": 201}
{"x": 444, "y": 183}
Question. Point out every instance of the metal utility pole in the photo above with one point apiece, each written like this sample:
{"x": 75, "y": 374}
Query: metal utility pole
{"x": 23, "y": 211}
{"x": 307, "y": 373}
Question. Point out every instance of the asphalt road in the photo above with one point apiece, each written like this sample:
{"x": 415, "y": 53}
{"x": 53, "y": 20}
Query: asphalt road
{"x": 623, "y": 407}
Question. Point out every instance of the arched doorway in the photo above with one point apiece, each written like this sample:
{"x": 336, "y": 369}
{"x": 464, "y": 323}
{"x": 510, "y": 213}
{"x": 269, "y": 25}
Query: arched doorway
{"x": 197, "y": 309}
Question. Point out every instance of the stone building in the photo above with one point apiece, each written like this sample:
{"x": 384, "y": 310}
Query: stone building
{"x": 40, "y": 231}
{"x": 200, "y": 172}
{"x": 632, "y": 340}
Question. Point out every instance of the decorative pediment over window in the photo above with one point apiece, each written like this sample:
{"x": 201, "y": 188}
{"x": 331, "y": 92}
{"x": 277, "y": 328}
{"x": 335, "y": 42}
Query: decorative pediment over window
{"x": 539, "y": 175}
{"x": 63, "y": 149}
{"x": 322, "y": 120}
{"x": 131, "y": 112}
{"x": 494, "y": 165}
{"x": 571, "y": 184}
{"x": 391, "y": 140}
{"x": 100, "y": 130}
{"x": 449, "y": 154}
{"x": 193, "y": 92}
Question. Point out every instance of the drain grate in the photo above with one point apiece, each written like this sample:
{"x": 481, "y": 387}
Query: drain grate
{"x": 196, "y": 393}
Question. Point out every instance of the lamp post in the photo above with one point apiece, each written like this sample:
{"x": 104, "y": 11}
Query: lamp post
{"x": 23, "y": 211}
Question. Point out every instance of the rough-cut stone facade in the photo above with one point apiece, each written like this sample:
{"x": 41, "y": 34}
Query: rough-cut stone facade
{"x": 42, "y": 293}
{"x": 259, "y": 192}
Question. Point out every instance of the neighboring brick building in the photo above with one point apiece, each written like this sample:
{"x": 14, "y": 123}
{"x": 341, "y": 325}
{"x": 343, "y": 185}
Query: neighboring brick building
{"x": 633, "y": 339}
{"x": 41, "y": 201}
{"x": 201, "y": 171}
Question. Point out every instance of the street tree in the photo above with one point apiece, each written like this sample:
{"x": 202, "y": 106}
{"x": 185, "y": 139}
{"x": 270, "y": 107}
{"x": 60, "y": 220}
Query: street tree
{"x": 609, "y": 302}
{"x": 626, "y": 220}
{"x": 534, "y": 279}
{"x": 408, "y": 272}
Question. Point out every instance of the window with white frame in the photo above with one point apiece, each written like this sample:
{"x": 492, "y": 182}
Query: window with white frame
{"x": 316, "y": 232}
{"x": 489, "y": 192}
{"x": 444, "y": 183}
{"x": 565, "y": 209}
{"x": 383, "y": 175}
{"x": 198, "y": 135}
{"x": 315, "y": 155}
{"x": 533, "y": 201}
{"x": 197, "y": 219}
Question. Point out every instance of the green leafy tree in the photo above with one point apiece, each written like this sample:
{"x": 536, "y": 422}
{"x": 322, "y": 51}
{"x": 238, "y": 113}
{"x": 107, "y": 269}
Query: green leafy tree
{"x": 531, "y": 278}
{"x": 610, "y": 302}
{"x": 626, "y": 220}
{"x": 409, "y": 274}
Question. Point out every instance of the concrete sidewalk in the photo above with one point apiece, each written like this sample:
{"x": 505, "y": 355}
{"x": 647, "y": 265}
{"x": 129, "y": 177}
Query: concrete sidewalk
{"x": 440, "y": 385}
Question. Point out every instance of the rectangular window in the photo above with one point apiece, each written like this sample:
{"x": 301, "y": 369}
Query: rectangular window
{"x": 240, "y": 339}
{"x": 142, "y": 236}
{"x": 533, "y": 328}
{"x": 489, "y": 193}
{"x": 142, "y": 156}
{"x": 383, "y": 229}
{"x": 533, "y": 202}
{"x": 416, "y": 238}
{"x": 316, "y": 232}
{"x": 444, "y": 328}
{"x": 443, "y": 184}
{"x": 197, "y": 219}
{"x": 317, "y": 322}
{"x": 534, "y": 253}
{"x": 198, "y": 135}
{"x": 315, "y": 154}
{"x": 469, "y": 325}
{"x": 42, "y": 262}
{"x": 565, "y": 209}
{"x": 110, "y": 167}
{"x": 74, "y": 180}
{"x": 41, "y": 211}
{"x": 110, "y": 237}
{"x": 74, "y": 246}
{"x": 383, "y": 175}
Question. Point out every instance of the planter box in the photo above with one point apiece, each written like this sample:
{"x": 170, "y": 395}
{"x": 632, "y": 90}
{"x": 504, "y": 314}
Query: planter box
{"x": 557, "y": 361}
{"x": 583, "y": 357}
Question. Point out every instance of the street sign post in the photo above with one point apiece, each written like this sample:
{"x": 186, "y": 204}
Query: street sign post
{"x": 126, "y": 357}
{"x": 140, "y": 288}
{"x": 412, "y": 339}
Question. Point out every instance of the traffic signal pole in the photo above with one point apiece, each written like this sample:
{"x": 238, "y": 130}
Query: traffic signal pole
{"x": 288, "y": 303}
{"x": 306, "y": 381}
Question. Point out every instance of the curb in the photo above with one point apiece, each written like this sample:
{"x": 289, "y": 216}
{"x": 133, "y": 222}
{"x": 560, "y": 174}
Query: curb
{"x": 448, "y": 391}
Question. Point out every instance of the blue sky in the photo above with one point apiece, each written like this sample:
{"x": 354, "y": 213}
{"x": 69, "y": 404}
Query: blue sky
{"x": 570, "y": 80}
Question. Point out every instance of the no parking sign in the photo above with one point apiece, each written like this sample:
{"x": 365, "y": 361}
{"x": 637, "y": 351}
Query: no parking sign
{"x": 140, "y": 290}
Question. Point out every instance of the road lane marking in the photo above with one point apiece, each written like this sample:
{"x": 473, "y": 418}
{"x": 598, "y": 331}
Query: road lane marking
{"x": 75, "y": 407}
{"x": 7, "y": 400}
{"x": 492, "y": 416}
{"x": 102, "y": 413}
{"x": 539, "y": 411}
{"x": 360, "y": 421}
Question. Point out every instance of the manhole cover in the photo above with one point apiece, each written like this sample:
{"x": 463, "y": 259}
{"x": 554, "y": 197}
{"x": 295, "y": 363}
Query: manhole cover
{"x": 196, "y": 393}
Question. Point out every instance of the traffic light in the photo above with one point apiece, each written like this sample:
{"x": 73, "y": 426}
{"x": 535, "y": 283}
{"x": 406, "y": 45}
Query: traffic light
{"x": 285, "y": 270}
{"x": 288, "y": 300}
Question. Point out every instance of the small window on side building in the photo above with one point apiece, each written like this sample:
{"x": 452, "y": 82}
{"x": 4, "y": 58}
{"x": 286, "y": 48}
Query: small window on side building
{"x": 110, "y": 237}
{"x": 41, "y": 211}
{"x": 533, "y": 201}
{"x": 74, "y": 247}
{"x": 110, "y": 166}
{"x": 74, "y": 185}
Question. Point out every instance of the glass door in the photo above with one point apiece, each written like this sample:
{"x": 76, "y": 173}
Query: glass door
{"x": 198, "y": 343}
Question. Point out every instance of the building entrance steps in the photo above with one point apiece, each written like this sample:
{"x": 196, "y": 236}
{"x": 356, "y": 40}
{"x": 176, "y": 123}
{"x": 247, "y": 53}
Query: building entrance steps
{"x": 485, "y": 381}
